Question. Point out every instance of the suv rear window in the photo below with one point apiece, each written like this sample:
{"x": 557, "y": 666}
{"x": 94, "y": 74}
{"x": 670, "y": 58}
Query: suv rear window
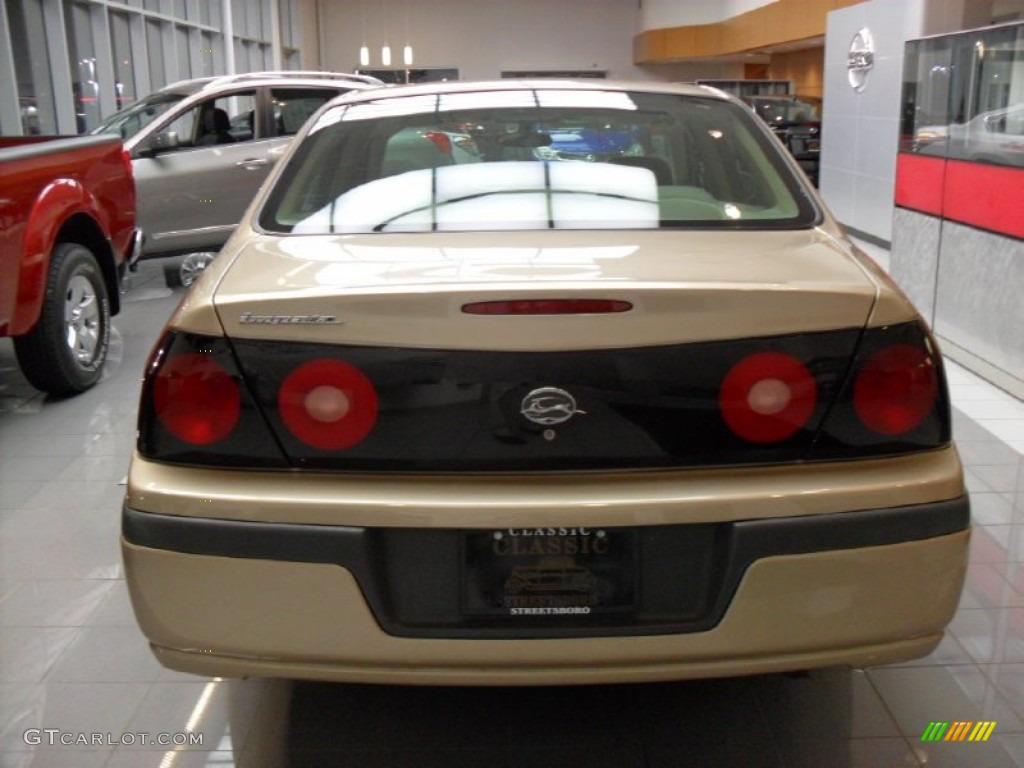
{"x": 536, "y": 159}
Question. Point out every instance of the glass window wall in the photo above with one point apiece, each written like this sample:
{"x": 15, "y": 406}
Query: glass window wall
{"x": 181, "y": 37}
{"x": 211, "y": 56}
{"x": 963, "y": 96}
{"x": 32, "y": 67}
{"x": 265, "y": 29}
{"x": 82, "y": 58}
{"x": 105, "y": 54}
{"x": 288, "y": 20}
{"x": 124, "y": 68}
{"x": 155, "y": 49}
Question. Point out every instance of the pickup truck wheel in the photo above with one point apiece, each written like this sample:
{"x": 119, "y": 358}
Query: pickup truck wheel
{"x": 65, "y": 352}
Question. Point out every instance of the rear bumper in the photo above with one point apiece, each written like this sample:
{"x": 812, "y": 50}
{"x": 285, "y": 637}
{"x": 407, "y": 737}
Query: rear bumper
{"x": 234, "y": 598}
{"x": 240, "y": 617}
{"x": 391, "y": 564}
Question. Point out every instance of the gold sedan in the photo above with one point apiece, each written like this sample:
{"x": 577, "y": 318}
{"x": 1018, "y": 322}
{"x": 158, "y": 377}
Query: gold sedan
{"x": 496, "y": 416}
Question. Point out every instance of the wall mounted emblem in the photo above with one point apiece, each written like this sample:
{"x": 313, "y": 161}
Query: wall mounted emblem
{"x": 860, "y": 59}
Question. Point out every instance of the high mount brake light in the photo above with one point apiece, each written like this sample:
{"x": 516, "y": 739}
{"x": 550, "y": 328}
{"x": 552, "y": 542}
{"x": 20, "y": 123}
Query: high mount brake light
{"x": 195, "y": 399}
{"x": 767, "y": 397}
{"x": 896, "y": 389}
{"x": 328, "y": 404}
{"x": 547, "y": 307}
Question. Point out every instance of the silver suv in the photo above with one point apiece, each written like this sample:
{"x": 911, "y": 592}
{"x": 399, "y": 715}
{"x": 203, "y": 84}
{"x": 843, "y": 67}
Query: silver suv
{"x": 201, "y": 148}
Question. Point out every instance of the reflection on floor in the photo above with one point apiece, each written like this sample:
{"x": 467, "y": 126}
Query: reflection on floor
{"x": 71, "y": 658}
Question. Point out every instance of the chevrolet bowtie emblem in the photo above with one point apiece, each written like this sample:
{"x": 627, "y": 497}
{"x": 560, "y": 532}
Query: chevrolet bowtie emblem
{"x": 548, "y": 406}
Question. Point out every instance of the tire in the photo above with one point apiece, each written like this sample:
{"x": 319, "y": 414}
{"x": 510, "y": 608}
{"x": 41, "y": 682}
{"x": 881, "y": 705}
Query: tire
{"x": 64, "y": 353}
{"x": 184, "y": 271}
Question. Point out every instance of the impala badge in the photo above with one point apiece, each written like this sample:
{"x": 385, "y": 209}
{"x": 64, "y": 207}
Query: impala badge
{"x": 248, "y": 318}
{"x": 548, "y": 406}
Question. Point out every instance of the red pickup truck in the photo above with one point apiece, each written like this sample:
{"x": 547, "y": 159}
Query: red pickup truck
{"x": 67, "y": 233}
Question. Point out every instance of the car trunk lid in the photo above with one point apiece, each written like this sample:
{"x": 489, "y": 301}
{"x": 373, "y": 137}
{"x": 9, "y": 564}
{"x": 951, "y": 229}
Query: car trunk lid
{"x": 410, "y": 291}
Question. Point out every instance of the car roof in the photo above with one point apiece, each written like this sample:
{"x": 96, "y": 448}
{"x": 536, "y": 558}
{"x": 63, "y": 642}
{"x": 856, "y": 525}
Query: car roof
{"x": 773, "y": 97}
{"x": 541, "y": 84}
{"x": 285, "y": 77}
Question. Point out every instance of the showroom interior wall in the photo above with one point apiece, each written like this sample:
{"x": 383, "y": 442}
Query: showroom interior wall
{"x": 965, "y": 274}
{"x": 483, "y": 38}
{"x": 861, "y": 127}
{"x": 958, "y": 228}
{"x": 671, "y": 13}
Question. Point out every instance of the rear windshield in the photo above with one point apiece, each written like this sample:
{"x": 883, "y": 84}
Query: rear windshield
{"x": 536, "y": 159}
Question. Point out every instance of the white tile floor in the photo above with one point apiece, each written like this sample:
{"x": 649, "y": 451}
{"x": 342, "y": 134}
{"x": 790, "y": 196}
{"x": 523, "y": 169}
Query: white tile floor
{"x": 71, "y": 657}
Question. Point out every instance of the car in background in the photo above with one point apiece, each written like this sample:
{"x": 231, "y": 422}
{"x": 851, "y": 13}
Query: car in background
{"x": 526, "y": 421}
{"x": 413, "y": 148}
{"x": 587, "y": 144}
{"x": 930, "y": 140}
{"x": 796, "y": 120}
{"x": 200, "y": 149}
{"x": 996, "y": 137}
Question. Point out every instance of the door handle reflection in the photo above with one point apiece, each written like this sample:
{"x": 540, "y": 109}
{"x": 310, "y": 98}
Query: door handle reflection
{"x": 251, "y": 164}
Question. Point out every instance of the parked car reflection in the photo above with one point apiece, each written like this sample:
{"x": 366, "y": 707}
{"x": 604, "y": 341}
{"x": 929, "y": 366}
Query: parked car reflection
{"x": 797, "y": 123}
{"x": 996, "y": 136}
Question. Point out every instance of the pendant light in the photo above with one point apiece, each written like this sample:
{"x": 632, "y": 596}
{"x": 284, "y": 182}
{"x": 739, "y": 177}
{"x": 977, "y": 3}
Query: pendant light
{"x": 364, "y": 51}
{"x": 385, "y": 51}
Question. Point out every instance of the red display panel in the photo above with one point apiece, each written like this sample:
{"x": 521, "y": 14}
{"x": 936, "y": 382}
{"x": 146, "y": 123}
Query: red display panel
{"x": 980, "y": 195}
{"x": 919, "y": 182}
{"x": 986, "y": 196}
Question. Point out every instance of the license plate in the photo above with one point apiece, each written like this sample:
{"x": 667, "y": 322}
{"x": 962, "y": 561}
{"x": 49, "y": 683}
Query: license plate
{"x": 549, "y": 572}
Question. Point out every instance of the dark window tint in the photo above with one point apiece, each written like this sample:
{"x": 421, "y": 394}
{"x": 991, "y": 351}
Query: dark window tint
{"x": 223, "y": 120}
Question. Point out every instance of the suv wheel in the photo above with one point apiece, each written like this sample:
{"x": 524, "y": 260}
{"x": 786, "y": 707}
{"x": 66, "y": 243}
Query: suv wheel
{"x": 183, "y": 272}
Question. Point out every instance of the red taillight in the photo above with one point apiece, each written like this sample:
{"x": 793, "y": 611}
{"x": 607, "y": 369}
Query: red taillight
{"x": 896, "y": 389}
{"x": 767, "y": 397}
{"x": 328, "y": 404}
{"x": 442, "y": 140}
{"x": 547, "y": 307}
{"x": 196, "y": 400}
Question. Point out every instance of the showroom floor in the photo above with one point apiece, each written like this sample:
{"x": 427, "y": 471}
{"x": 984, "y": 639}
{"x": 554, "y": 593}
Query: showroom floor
{"x": 74, "y": 665}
